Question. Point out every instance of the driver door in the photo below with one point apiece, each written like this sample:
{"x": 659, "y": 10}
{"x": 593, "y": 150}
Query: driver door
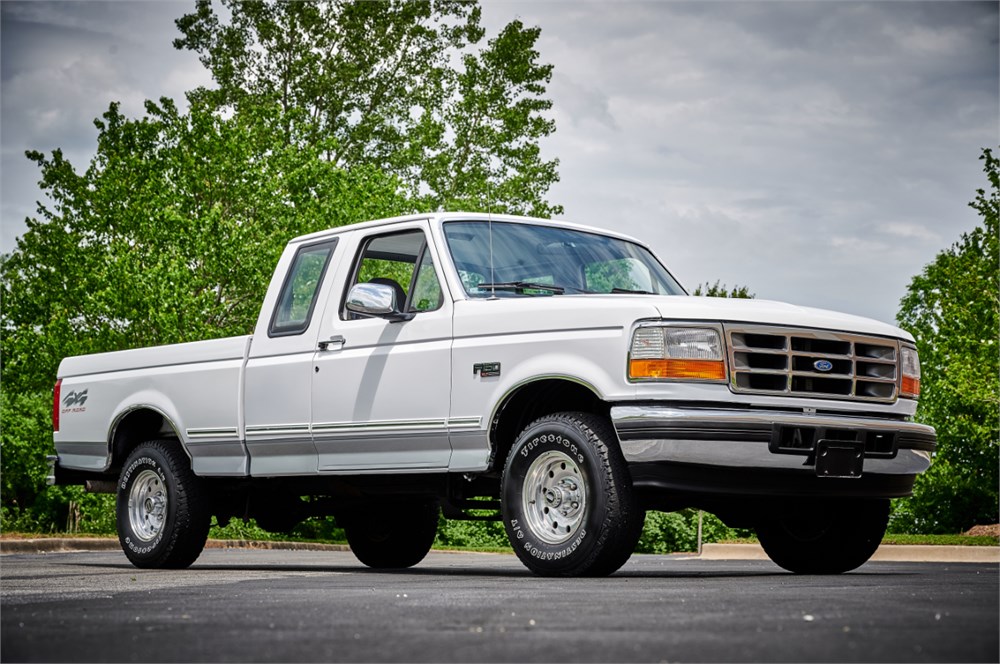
{"x": 381, "y": 389}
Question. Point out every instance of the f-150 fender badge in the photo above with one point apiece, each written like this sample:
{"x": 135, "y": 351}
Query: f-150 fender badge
{"x": 486, "y": 369}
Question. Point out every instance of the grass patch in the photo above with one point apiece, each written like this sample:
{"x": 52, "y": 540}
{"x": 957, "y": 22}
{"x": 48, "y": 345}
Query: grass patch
{"x": 941, "y": 540}
{"x": 890, "y": 538}
{"x": 472, "y": 549}
{"x": 25, "y": 536}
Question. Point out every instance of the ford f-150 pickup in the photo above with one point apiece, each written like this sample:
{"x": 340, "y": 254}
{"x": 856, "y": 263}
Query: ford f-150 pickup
{"x": 555, "y": 374}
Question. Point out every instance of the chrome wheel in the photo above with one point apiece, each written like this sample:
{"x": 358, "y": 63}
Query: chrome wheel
{"x": 147, "y": 505}
{"x": 554, "y": 495}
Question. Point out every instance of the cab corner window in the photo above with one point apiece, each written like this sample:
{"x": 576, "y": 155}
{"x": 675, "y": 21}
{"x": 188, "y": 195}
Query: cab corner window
{"x": 403, "y": 262}
{"x": 298, "y": 293}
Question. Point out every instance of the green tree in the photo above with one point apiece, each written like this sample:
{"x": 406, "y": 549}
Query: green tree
{"x": 399, "y": 85}
{"x": 721, "y": 290}
{"x": 951, "y": 308}
{"x": 169, "y": 235}
{"x": 324, "y": 114}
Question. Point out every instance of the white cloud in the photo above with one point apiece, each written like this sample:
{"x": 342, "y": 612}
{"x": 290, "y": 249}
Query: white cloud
{"x": 909, "y": 231}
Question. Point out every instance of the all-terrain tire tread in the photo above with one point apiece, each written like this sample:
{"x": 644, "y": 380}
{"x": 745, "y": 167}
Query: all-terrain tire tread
{"x": 191, "y": 521}
{"x": 623, "y": 518}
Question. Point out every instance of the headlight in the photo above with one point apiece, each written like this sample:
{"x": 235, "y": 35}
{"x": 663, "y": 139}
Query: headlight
{"x": 909, "y": 367}
{"x": 676, "y": 353}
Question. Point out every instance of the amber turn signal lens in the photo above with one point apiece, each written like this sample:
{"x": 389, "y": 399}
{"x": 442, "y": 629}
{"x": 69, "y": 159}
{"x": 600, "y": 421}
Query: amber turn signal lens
{"x": 697, "y": 369}
{"x": 910, "y": 387}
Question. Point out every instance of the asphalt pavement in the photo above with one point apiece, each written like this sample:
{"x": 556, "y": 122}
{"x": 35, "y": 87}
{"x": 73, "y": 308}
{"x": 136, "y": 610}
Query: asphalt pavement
{"x": 276, "y": 605}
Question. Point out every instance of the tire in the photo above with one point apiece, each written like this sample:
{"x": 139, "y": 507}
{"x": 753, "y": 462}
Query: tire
{"x": 825, "y": 538}
{"x": 161, "y": 511}
{"x": 392, "y": 536}
{"x": 567, "y": 500}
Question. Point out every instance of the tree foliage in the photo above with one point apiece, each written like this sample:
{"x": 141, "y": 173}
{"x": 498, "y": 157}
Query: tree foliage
{"x": 323, "y": 114}
{"x": 404, "y": 86}
{"x": 721, "y": 290}
{"x": 951, "y": 308}
{"x": 169, "y": 235}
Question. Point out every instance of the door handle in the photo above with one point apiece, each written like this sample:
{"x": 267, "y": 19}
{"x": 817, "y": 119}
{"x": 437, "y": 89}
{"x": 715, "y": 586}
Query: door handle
{"x": 337, "y": 341}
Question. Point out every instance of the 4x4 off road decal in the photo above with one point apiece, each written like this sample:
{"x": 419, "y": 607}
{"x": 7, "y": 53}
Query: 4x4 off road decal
{"x": 73, "y": 402}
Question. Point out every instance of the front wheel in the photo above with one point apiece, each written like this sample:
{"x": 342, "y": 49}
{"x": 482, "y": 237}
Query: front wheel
{"x": 567, "y": 500}
{"x": 162, "y": 516}
{"x": 825, "y": 538}
{"x": 392, "y": 536}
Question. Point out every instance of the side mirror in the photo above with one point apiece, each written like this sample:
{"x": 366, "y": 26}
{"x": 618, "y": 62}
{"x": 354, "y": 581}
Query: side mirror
{"x": 375, "y": 301}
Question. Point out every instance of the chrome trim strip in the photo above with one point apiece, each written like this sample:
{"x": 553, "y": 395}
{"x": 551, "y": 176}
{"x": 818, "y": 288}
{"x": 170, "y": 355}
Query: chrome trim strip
{"x": 626, "y": 414}
{"x": 209, "y": 431}
{"x": 464, "y": 422}
{"x": 220, "y": 432}
{"x": 374, "y": 425}
{"x": 277, "y": 430}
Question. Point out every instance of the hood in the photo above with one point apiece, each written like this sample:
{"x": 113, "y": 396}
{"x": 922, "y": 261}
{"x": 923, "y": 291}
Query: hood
{"x": 568, "y": 312}
{"x": 769, "y": 312}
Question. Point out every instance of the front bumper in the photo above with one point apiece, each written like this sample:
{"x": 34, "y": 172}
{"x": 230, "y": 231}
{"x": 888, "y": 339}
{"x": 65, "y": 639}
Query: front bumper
{"x": 769, "y": 440}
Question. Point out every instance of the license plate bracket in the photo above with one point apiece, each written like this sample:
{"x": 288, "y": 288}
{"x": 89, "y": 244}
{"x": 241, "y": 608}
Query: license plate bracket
{"x": 840, "y": 458}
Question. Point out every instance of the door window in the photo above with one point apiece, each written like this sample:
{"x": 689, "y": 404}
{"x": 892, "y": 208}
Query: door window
{"x": 402, "y": 261}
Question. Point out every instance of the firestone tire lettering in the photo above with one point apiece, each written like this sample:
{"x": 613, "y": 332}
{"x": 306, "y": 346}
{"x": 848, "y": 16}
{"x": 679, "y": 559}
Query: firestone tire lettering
{"x": 612, "y": 521}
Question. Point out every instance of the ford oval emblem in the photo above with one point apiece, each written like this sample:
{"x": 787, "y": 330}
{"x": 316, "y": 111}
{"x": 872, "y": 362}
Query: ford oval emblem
{"x": 823, "y": 365}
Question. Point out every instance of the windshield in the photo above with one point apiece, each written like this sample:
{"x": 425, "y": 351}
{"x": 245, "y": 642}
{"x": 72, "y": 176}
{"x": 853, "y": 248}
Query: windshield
{"x": 542, "y": 260}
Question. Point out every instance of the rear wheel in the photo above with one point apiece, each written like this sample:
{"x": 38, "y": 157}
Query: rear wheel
{"x": 567, "y": 499}
{"x": 827, "y": 537}
{"x": 392, "y": 536}
{"x": 161, "y": 509}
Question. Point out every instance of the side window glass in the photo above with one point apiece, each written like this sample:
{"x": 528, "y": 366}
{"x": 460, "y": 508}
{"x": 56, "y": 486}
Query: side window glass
{"x": 298, "y": 294}
{"x": 426, "y": 288}
{"x": 403, "y": 262}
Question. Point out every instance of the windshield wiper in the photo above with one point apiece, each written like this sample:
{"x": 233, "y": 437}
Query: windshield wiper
{"x": 633, "y": 292}
{"x": 521, "y": 286}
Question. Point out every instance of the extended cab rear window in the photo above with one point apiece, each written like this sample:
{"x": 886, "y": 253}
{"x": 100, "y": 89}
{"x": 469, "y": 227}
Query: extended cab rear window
{"x": 299, "y": 291}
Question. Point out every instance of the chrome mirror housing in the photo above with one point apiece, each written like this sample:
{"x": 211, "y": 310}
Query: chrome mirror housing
{"x": 372, "y": 300}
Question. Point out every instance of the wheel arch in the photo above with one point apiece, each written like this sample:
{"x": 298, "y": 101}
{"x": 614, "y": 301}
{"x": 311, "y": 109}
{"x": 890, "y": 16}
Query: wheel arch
{"x": 537, "y": 397}
{"x": 137, "y": 424}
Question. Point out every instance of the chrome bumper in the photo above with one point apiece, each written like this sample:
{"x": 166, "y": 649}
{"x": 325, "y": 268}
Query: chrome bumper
{"x": 763, "y": 439}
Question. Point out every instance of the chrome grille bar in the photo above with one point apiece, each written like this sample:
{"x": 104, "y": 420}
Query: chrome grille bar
{"x": 812, "y": 363}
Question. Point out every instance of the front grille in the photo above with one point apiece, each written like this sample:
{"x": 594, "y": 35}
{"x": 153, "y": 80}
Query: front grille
{"x": 812, "y": 363}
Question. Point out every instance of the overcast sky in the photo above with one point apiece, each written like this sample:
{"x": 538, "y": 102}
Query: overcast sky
{"x": 818, "y": 152}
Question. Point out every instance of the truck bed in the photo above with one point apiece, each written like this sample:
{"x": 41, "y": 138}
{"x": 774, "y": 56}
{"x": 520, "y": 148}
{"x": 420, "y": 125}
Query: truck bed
{"x": 194, "y": 387}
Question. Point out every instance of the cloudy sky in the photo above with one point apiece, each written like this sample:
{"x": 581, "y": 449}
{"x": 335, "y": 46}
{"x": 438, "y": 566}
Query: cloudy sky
{"x": 818, "y": 152}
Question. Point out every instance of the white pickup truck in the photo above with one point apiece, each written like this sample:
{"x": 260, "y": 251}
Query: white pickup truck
{"x": 554, "y": 373}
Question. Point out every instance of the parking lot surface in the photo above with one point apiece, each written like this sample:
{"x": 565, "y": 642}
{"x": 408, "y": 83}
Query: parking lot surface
{"x": 242, "y": 605}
